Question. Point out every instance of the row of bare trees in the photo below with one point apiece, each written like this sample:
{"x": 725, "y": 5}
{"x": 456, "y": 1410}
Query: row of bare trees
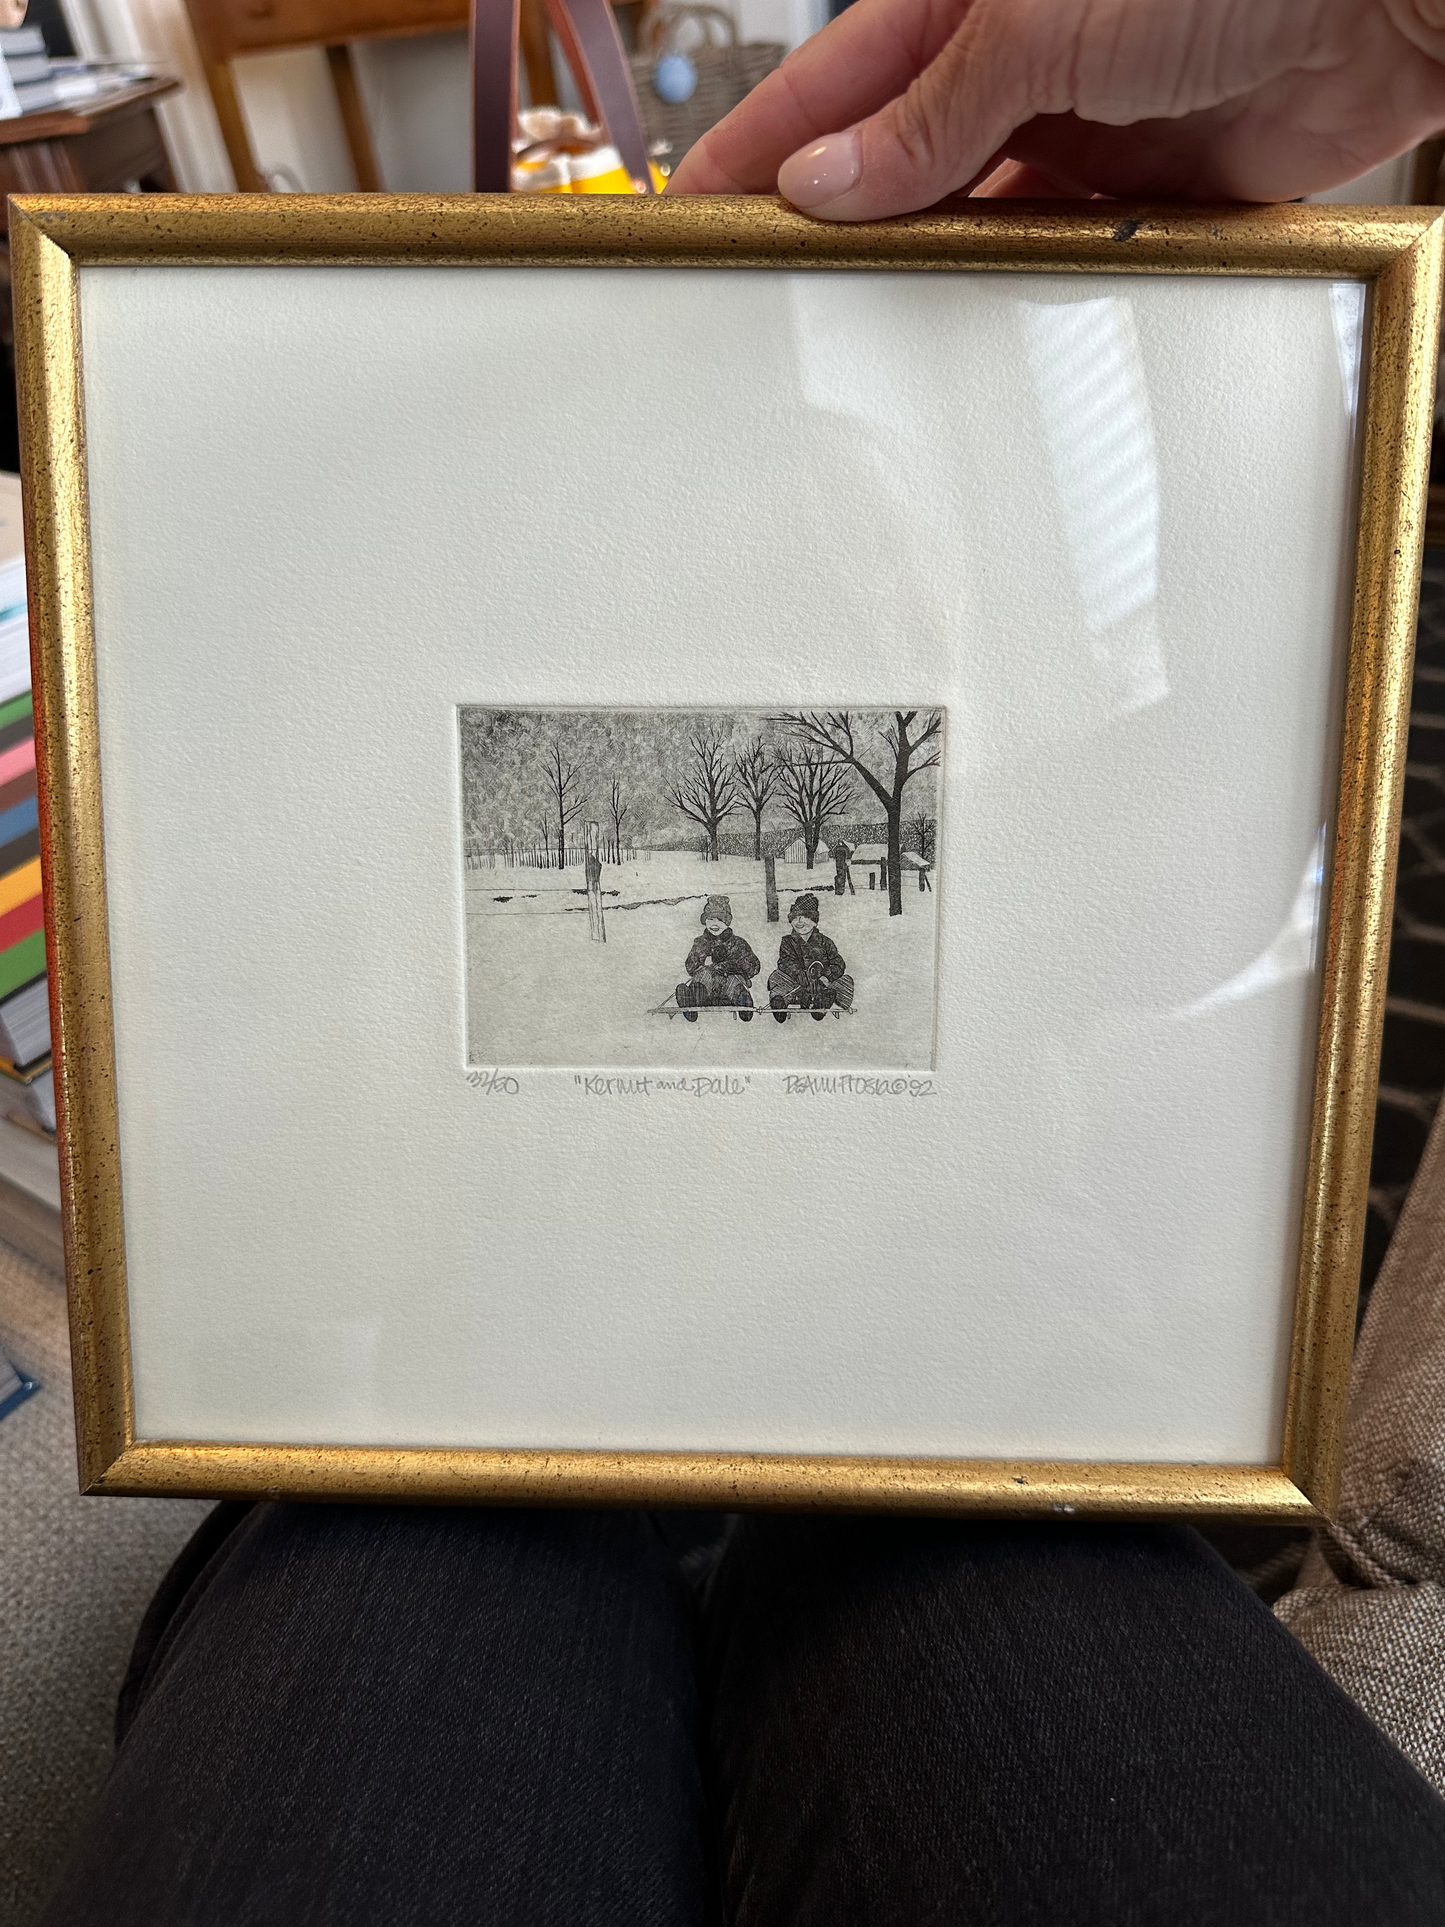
{"x": 812, "y": 779}
{"x": 567, "y": 800}
{"x": 810, "y": 789}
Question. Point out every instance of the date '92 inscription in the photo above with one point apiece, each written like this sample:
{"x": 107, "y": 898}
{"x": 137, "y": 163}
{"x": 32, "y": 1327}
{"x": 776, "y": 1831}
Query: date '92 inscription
{"x": 852, "y": 1086}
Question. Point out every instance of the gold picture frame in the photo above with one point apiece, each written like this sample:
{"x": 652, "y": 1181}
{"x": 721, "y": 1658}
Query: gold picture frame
{"x": 1397, "y": 253}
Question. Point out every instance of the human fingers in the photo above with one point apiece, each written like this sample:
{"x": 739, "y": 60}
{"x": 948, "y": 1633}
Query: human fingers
{"x": 852, "y": 68}
{"x": 1180, "y": 99}
{"x": 945, "y": 129}
{"x": 1297, "y": 134}
{"x": 1099, "y": 71}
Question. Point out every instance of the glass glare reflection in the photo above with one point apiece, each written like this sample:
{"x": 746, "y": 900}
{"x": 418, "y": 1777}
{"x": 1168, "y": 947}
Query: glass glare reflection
{"x": 1291, "y": 954}
{"x": 1093, "y": 399}
{"x": 1347, "y": 311}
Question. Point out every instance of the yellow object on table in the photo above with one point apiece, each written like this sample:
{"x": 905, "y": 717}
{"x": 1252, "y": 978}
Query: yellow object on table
{"x": 551, "y": 176}
{"x": 602, "y": 172}
{"x": 598, "y": 170}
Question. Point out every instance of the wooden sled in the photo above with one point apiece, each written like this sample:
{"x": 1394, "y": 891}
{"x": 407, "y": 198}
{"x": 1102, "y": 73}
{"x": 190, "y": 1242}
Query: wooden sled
{"x": 671, "y": 1008}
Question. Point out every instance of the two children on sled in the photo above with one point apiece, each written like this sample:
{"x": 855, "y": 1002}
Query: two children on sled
{"x": 721, "y": 966}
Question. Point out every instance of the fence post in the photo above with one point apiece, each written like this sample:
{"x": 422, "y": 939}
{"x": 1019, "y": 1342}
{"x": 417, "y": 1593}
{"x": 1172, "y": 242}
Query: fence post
{"x": 596, "y": 926}
{"x": 770, "y": 885}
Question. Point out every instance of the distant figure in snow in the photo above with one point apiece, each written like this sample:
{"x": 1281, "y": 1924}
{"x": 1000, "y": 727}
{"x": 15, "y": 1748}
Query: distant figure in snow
{"x": 810, "y": 974}
{"x": 720, "y": 966}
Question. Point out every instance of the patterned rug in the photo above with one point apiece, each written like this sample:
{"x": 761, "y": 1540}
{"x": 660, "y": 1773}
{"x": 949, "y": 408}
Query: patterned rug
{"x": 75, "y": 1576}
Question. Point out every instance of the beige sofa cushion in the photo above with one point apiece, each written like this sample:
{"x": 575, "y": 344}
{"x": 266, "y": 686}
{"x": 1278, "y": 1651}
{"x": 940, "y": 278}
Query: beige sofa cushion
{"x": 1370, "y": 1601}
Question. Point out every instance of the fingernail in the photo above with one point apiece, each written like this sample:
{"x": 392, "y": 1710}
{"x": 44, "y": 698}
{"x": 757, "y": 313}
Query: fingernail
{"x": 823, "y": 172}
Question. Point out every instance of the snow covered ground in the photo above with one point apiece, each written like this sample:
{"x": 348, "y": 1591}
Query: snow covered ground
{"x": 541, "y": 993}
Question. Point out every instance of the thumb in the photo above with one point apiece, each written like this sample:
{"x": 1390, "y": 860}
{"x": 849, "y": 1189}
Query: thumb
{"x": 941, "y": 136}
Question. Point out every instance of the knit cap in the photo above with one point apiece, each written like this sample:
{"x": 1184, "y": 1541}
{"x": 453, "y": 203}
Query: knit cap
{"x": 719, "y": 910}
{"x": 804, "y": 907}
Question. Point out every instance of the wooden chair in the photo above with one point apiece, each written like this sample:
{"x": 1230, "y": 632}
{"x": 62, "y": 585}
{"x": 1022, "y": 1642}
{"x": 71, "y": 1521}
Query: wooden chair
{"x": 225, "y": 29}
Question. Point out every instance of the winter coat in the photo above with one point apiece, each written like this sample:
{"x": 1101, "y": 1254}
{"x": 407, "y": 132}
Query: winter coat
{"x": 815, "y": 961}
{"x": 730, "y": 954}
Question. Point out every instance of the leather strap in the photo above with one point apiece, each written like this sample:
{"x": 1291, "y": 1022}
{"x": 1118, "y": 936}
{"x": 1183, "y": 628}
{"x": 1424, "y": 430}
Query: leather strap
{"x": 587, "y": 31}
{"x": 495, "y": 25}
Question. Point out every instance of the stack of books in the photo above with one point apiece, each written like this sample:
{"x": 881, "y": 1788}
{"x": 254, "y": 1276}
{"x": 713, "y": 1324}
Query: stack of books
{"x": 27, "y": 1089}
{"x": 32, "y": 82}
{"x": 27, "y": 1081}
{"x": 29, "y": 1172}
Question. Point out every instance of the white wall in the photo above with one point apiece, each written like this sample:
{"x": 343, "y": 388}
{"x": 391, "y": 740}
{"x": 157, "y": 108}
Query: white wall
{"x": 1385, "y": 186}
{"x": 159, "y": 30}
{"x": 418, "y": 105}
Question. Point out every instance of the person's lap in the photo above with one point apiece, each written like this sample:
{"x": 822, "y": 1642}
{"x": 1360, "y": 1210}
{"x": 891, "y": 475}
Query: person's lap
{"x": 1007, "y": 1724}
{"x": 397, "y": 1716}
{"x": 355, "y": 1715}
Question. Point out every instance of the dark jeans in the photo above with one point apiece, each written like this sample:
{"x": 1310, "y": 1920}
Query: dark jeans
{"x": 416, "y": 1718}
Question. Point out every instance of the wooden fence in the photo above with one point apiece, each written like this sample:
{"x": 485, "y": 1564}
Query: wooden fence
{"x": 540, "y": 857}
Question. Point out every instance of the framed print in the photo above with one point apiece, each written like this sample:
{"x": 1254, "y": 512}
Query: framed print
{"x": 699, "y": 859}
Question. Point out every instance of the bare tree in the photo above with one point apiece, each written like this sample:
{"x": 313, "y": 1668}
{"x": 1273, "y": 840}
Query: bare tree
{"x": 814, "y": 787}
{"x": 911, "y": 743}
{"x": 564, "y": 782}
{"x": 618, "y": 810}
{"x": 757, "y": 778}
{"x": 924, "y": 831}
{"x": 708, "y": 792}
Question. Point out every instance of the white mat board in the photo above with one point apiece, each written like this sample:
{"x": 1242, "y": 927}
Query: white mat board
{"x": 1104, "y": 522}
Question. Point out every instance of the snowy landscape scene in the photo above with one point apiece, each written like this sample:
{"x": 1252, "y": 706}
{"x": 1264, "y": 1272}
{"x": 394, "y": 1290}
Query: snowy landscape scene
{"x": 678, "y": 889}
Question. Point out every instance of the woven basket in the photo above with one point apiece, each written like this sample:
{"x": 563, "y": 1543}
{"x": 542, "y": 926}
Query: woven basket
{"x": 727, "y": 69}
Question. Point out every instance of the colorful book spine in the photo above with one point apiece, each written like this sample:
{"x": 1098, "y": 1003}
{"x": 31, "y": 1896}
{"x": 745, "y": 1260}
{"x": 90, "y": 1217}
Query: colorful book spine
{"x": 22, "y": 918}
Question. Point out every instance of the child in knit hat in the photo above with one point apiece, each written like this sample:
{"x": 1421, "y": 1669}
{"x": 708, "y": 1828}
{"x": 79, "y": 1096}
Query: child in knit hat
{"x": 720, "y": 966}
{"x": 811, "y": 975}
